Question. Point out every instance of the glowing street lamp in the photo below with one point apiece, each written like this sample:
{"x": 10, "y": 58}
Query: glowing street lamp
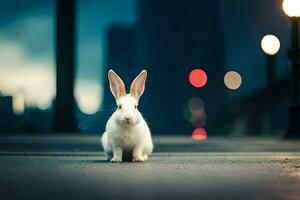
{"x": 270, "y": 45}
{"x": 292, "y": 10}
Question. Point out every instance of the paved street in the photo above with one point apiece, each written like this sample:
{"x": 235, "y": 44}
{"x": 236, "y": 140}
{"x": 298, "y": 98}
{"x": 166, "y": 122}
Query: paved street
{"x": 73, "y": 167}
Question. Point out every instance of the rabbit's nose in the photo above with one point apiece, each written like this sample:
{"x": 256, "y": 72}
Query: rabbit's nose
{"x": 126, "y": 120}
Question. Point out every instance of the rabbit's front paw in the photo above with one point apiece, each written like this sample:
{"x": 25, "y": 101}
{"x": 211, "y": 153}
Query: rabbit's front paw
{"x": 138, "y": 159}
{"x": 116, "y": 159}
{"x": 145, "y": 158}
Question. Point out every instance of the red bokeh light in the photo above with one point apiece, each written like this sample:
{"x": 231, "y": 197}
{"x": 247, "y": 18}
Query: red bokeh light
{"x": 198, "y": 78}
{"x": 199, "y": 134}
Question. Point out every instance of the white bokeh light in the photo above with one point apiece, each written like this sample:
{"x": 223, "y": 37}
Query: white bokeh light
{"x": 291, "y": 8}
{"x": 270, "y": 44}
{"x": 87, "y": 94}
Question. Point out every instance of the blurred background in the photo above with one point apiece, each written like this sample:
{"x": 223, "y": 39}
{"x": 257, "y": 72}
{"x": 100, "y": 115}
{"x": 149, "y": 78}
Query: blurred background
{"x": 208, "y": 73}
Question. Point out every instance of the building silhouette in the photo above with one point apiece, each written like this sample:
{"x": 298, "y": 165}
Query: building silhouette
{"x": 121, "y": 53}
{"x": 9, "y": 121}
{"x": 121, "y": 57}
{"x": 6, "y": 105}
{"x": 174, "y": 37}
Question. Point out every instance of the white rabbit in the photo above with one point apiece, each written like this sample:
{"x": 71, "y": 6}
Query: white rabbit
{"x": 126, "y": 130}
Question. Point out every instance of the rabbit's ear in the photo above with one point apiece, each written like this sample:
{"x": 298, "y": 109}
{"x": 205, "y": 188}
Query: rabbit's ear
{"x": 138, "y": 85}
{"x": 116, "y": 84}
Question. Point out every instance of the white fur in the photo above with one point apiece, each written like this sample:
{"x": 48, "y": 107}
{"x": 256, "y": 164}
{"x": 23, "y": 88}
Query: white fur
{"x": 123, "y": 136}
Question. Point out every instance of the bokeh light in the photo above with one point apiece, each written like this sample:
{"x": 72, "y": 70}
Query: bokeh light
{"x": 198, "y": 78}
{"x": 18, "y": 103}
{"x": 270, "y": 44}
{"x": 291, "y": 8}
{"x": 87, "y": 95}
{"x": 198, "y": 118}
{"x": 196, "y": 103}
{"x": 199, "y": 134}
{"x": 232, "y": 80}
{"x": 197, "y": 115}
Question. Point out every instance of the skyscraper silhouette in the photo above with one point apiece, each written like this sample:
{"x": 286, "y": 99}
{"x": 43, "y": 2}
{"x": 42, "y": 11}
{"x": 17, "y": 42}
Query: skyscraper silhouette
{"x": 175, "y": 37}
{"x": 121, "y": 57}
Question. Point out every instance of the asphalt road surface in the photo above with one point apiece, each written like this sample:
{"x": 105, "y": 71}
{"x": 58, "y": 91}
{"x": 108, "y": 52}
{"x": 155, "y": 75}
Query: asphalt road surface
{"x": 73, "y": 167}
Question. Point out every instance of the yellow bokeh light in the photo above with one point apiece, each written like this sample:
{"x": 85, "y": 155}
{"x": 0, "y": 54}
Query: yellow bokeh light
{"x": 87, "y": 95}
{"x": 18, "y": 104}
{"x": 232, "y": 80}
{"x": 291, "y": 8}
{"x": 270, "y": 44}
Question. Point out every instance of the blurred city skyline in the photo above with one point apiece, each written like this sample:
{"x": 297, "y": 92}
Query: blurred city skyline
{"x": 27, "y": 57}
{"x": 27, "y": 61}
{"x": 168, "y": 39}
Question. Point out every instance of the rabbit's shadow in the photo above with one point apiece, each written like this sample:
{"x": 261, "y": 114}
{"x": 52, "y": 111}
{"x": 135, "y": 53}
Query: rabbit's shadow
{"x": 100, "y": 161}
{"x": 127, "y": 157}
{"x": 84, "y": 161}
{"x": 104, "y": 161}
{"x": 94, "y": 161}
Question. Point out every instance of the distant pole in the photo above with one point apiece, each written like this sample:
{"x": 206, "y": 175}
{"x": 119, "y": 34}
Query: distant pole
{"x": 271, "y": 69}
{"x": 64, "y": 110}
{"x": 271, "y": 78}
{"x": 294, "y": 54}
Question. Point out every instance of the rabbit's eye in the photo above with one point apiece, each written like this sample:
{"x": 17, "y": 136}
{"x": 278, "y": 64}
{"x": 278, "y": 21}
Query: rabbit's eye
{"x": 119, "y": 106}
{"x": 135, "y": 106}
